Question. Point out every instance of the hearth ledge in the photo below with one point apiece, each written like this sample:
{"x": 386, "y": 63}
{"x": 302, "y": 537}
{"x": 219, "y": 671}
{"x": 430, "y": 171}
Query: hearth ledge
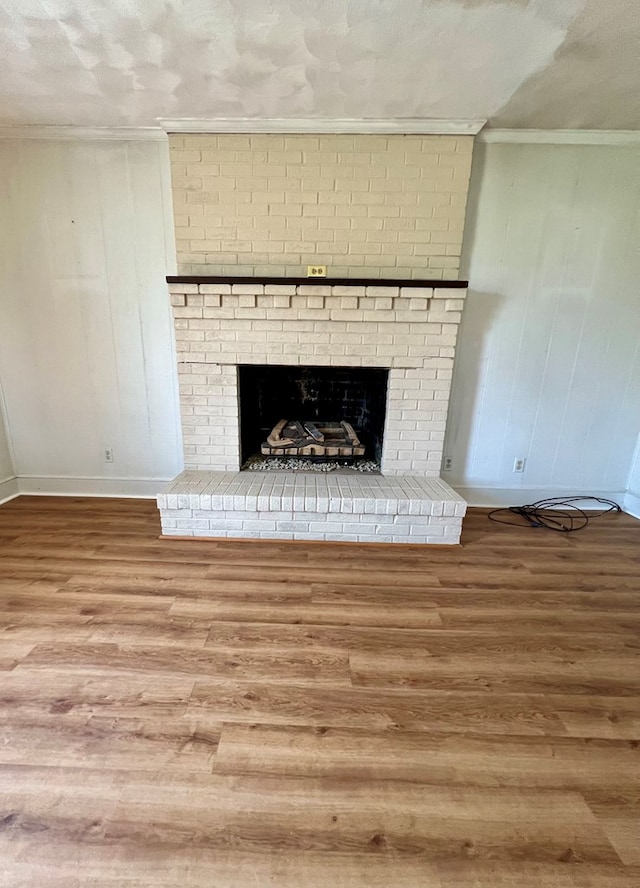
{"x": 288, "y": 506}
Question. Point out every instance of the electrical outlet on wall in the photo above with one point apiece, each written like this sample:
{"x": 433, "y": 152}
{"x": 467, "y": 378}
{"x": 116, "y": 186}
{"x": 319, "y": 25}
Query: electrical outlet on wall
{"x": 108, "y": 455}
{"x": 447, "y": 464}
{"x": 519, "y": 463}
{"x": 316, "y": 271}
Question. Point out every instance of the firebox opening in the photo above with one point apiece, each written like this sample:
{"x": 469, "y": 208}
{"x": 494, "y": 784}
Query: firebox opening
{"x": 326, "y": 409}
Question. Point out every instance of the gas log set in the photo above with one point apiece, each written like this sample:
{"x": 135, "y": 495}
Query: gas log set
{"x": 312, "y": 439}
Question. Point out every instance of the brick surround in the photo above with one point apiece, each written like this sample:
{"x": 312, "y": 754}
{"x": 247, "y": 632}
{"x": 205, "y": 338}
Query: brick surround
{"x": 411, "y": 330}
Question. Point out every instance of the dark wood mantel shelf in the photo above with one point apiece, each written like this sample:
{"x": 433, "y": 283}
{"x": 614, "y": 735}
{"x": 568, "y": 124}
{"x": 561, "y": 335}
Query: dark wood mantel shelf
{"x": 317, "y": 281}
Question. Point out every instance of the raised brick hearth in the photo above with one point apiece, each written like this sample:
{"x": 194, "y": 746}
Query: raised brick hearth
{"x": 280, "y": 505}
{"x": 411, "y": 330}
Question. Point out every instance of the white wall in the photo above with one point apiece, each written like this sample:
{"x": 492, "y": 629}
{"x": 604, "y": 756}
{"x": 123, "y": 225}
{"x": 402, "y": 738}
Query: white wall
{"x": 548, "y": 366}
{"x": 6, "y": 462}
{"x": 86, "y": 348}
{"x": 632, "y": 499}
{"x": 633, "y": 482}
{"x": 8, "y": 485}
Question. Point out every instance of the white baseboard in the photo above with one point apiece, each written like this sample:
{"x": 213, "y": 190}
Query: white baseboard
{"x": 139, "y": 488}
{"x": 8, "y": 489}
{"x": 497, "y": 497}
{"x": 632, "y": 504}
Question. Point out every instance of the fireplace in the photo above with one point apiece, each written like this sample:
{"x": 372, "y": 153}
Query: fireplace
{"x": 257, "y": 355}
{"x": 317, "y": 398}
{"x": 362, "y": 358}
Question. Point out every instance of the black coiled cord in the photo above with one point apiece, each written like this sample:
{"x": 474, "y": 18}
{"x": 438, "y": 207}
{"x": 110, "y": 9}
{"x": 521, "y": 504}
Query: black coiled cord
{"x": 556, "y": 513}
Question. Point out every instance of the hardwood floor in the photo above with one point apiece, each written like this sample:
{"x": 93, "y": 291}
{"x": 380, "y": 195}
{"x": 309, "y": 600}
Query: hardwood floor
{"x": 238, "y": 714}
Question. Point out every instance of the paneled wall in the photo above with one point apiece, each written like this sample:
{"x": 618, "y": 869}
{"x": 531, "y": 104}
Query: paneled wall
{"x": 86, "y": 346}
{"x": 548, "y": 363}
{"x": 365, "y": 206}
{"x": 632, "y": 499}
{"x": 6, "y": 462}
{"x": 633, "y": 482}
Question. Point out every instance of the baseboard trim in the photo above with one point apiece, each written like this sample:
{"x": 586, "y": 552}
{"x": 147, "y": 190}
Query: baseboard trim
{"x": 8, "y": 489}
{"x": 497, "y": 497}
{"x": 137, "y": 488}
{"x": 632, "y": 504}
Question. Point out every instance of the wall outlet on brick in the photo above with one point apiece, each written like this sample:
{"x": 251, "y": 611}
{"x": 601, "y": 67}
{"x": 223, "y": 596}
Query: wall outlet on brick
{"x": 316, "y": 271}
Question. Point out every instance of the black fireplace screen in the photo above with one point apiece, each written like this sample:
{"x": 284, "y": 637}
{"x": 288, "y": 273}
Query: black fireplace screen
{"x": 353, "y": 395}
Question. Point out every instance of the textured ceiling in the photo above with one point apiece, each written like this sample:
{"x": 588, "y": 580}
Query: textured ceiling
{"x": 523, "y": 63}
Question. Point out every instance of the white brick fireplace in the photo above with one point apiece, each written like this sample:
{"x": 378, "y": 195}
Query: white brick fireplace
{"x": 255, "y": 210}
{"x": 406, "y": 327}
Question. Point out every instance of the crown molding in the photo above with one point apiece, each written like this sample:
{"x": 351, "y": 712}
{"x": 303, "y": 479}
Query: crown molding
{"x": 403, "y": 126}
{"x": 399, "y": 126}
{"x": 560, "y": 137}
{"x": 84, "y": 133}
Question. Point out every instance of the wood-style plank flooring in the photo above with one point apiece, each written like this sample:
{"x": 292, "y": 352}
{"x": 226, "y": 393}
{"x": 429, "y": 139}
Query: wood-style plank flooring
{"x": 243, "y": 714}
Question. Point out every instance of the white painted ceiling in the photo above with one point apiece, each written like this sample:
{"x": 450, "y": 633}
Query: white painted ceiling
{"x": 518, "y": 63}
